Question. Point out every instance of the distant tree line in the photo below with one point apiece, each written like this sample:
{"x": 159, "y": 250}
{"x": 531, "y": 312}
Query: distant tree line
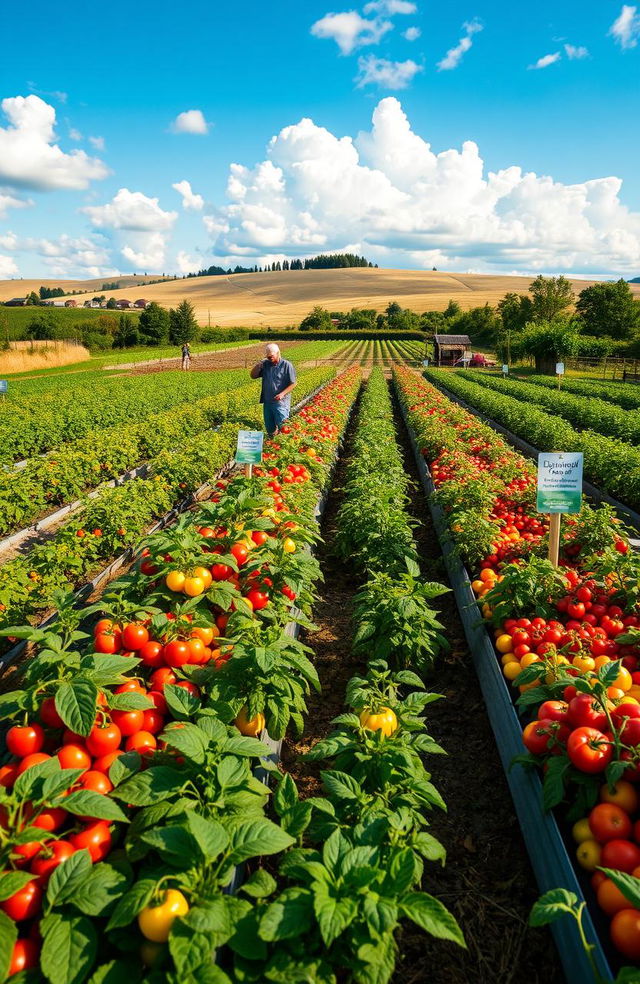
{"x": 328, "y": 261}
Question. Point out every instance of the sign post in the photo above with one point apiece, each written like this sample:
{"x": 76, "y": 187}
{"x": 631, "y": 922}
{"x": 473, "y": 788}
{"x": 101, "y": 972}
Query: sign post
{"x": 425, "y": 363}
{"x": 4, "y": 386}
{"x": 505, "y": 370}
{"x": 559, "y": 371}
{"x": 559, "y": 491}
{"x": 249, "y": 450}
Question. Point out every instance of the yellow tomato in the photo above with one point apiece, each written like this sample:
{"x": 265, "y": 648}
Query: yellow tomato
{"x": 204, "y": 574}
{"x": 288, "y": 545}
{"x": 512, "y": 670}
{"x": 383, "y": 720}
{"x": 155, "y": 921}
{"x": 249, "y": 726}
{"x": 504, "y": 644}
{"x": 588, "y": 855}
{"x": 528, "y": 659}
{"x": 478, "y": 587}
{"x": 623, "y": 680}
{"x": 175, "y": 580}
{"x": 585, "y": 664}
{"x": 601, "y": 661}
{"x": 193, "y": 586}
{"x": 624, "y": 795}
{"x": 581, "y": 831}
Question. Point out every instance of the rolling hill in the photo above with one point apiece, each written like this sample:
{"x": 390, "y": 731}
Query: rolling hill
{"x": 283, "y": 299}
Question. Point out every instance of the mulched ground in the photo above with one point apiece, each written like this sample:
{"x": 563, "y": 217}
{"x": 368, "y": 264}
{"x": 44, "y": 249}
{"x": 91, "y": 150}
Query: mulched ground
{"x": 487, "y": 881}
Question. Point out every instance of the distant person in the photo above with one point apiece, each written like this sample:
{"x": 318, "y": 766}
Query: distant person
{"x": 278, "y": 379}
{"x": 186, "y": 356}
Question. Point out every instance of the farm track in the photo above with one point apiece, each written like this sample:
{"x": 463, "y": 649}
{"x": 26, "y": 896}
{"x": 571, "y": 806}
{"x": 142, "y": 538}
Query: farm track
{"x": 487, "y": 881}
{"x": 206, "y": 362}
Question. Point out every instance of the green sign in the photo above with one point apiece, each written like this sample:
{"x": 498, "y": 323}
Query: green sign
{"x": 249, "y": 450}
{"x": 559, "y": 482}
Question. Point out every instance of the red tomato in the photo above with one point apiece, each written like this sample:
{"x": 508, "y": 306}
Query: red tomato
{"x": 49, "y": 715}
{"x": 188, "y": 686}
{"x": 103, "y": 739}
{"x": 258, "y": 599}
{"x": 104, "y": 763}
{"x": 259, "y": 537}
{"x": 108, "y": 642}
{"x": 623, "y": 855}
{"x": 589, "y": 750}
{"x": 554, "y": 710}
{"x": 540, "y": 736}
{"x": 221, "y": 572}
{"x": 96, "y": 781}
{"x": 30, "y": 760}
{"x": 128, "y": 721}
{"x": 51, "y": 819}
{"x": 153, "y": 721}
{"x": 142, "y": 741}
{"x": 151, "y": 654}
{"x": 48, "y": 859}
{"x": 608, "y": 822}
{"x": 8, "y": 775}
{"x": 24, "y": 956}
{"x": 134, "y": 636}
{"x": 130, "y": 687}
{"x": 24, "y": 904}
{"x": 23, "y": 741}
{"x": 159, "y": 702}
{"x": 176, "y": 653}
{"x": 74, "y": 757}
{"x": 625, "y": 928}
{"x": 196, "y": 650}
{"x": 584, "y": 712}
{"x": 161, "y": 677}
{"x": 240, "y": 553}
{"x": 95, "y": 837}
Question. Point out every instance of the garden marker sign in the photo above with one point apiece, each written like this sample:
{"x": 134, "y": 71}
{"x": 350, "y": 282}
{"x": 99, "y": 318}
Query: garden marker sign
{"x": 559, "y": 491}
{"x": 249, "y": 450}
{"x": 559, "y": 372}
{"x": 505, "y": 370}
{"x": 4, "y": 386}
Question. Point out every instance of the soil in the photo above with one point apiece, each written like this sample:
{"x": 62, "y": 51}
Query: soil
{"x": 237, "y": 358}
{"x": 487, "y": 881}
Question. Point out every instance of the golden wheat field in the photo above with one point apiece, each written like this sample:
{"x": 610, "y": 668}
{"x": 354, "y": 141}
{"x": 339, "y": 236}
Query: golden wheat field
{"x": 26, "y": 356}
{"x": 282, "y": 299}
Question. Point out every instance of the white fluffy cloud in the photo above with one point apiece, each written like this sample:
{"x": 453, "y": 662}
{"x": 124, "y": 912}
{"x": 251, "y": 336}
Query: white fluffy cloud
{"x": 191, "y": 121}
{"x": 69, "y": 256}
{"x": 190, "y": 200}
{"x": 626, "y": 27}
{"x": 142, "y": 227}
{"x": 454, "y": 55}
{"x": 387, "y": 194}
{"x": 97, "y": 142}
{"x": 29, "y": 155}
{"x": 186, "y": 263}
{"x": 350, "y": 30}
{"x": 10, "y": 201}
{"x": 8, "y": 267}
{"x": 412, "y": 33}
{"x": 546, "y": 60}
{"x": 576, "y": 52}
{"x": 385, "y": 73}
{"x": 390, "y": 7}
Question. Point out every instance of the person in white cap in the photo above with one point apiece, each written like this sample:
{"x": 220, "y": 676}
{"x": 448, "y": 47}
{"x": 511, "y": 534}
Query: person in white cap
{"x": 278, "y": 379}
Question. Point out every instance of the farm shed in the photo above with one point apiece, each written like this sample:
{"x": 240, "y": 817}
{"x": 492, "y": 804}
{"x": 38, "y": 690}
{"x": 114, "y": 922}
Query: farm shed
{"x": 447, "y": 349}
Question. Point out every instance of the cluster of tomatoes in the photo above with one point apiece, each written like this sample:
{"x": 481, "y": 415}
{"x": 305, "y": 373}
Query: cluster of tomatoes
{"x": 609, "y": 837}
{"x": 161, "y": 661}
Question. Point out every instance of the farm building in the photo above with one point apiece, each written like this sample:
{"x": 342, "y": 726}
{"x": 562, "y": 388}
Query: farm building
{"x": 124, "y": 303}
{"x": 16, "y": 302}
{"x": 71, "y": 303}
{"x": 448, "y": 349}
{"x": 141, "y": 303}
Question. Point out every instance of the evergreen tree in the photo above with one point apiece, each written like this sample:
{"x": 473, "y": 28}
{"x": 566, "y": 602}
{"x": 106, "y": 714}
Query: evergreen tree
{"x": 183, "y": 326}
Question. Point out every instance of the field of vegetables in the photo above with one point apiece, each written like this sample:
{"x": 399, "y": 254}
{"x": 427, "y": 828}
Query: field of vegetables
{"x": 241, "y": 767}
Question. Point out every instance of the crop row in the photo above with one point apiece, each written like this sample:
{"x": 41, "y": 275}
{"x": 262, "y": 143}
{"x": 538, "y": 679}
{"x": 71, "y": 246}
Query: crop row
{"x": 148, "y": 803}
{"x": 569, "y": 644}
{"x": 77, "y": 466}
{"x": 40, "y": 421}
{"x": 610, "y": 464}
{"x": 377, "y": 792}
{"x": 581, "y": 410}
{"x": 623, "y": 394}
{"x": 114, "y": 520}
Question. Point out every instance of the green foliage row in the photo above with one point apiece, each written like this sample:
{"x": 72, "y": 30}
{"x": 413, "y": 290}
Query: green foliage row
{"x": 122, "y": 514}
{"x": 609, "y": 463}
{"x": 580, "y": 410}
{"x": 621, "y": 394}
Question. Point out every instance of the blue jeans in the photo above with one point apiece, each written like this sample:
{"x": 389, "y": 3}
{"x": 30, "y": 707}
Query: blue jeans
{"x": 275, "y": 413}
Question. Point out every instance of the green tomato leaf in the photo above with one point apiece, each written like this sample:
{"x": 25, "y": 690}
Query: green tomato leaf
{"x": 76, "y": 704}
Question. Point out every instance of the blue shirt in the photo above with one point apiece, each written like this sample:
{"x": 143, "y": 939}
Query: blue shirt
{"x": 276, "y": 377}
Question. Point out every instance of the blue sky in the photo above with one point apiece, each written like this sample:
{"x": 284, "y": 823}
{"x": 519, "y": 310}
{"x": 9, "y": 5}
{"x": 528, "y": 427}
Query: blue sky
{"x": 398, "y": 94}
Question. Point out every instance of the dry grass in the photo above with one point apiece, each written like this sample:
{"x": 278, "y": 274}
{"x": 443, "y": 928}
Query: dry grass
{"x": 25, "y": 356}
{"x": 20, "y": 288}
{"x": 282, "y": 299}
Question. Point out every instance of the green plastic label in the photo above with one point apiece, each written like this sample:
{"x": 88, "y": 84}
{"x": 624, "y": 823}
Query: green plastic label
{"x": 249, "y": 450}
{"x": 559, "y": 482}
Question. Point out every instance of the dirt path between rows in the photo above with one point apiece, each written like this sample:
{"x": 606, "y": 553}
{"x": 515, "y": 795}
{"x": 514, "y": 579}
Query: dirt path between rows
{"x": 237, "y": 358}
{"x": 487, "y": 881}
